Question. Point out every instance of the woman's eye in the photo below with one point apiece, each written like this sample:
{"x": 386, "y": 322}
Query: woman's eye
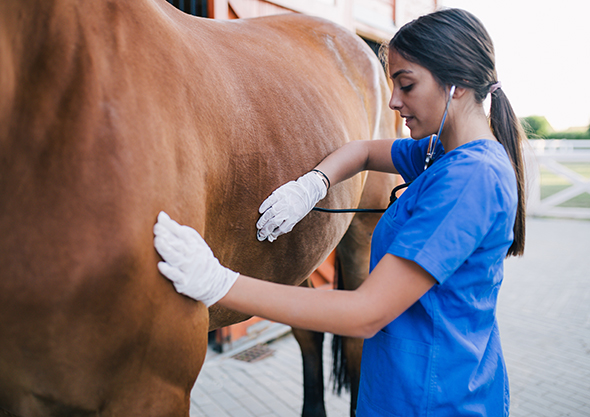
{"x": 406, "y": 87}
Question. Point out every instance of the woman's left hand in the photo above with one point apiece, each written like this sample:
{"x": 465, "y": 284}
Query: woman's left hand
{"x": 189, "y": 262}
{"x": 288, "y": 204}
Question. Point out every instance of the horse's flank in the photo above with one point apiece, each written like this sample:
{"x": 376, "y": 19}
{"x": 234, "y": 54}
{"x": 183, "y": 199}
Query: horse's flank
{"x": 111, "y": 111}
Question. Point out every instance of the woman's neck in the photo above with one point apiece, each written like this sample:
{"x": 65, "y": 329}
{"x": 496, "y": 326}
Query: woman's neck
{"x": 465, "y": 123}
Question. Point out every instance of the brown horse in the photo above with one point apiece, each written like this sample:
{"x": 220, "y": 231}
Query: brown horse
{"x": 111, "y": 111}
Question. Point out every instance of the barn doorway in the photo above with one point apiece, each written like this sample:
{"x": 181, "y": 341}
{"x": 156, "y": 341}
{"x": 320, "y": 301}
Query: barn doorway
{"x": 194, "y": 7}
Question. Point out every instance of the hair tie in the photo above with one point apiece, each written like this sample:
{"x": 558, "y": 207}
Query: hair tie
{"x": 494, "y": 87}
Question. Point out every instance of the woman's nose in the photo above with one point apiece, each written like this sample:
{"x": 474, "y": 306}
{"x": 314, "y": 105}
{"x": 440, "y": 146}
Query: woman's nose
{"x": 395, "y": 103}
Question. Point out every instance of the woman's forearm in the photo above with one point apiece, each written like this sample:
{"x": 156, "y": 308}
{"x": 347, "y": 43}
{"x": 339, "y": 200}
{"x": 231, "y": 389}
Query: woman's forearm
{"x": 322, "y": 311}
{"x": 393, "y": 286}
{"x": 345, "y": 162}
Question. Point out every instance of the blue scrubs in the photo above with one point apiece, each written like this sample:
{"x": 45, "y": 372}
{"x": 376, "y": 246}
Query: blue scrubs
{"x": 442, "y": 357}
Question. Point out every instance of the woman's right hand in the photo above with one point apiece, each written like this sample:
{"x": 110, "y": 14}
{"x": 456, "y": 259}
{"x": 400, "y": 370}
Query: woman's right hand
{"x": 288, "y": 204}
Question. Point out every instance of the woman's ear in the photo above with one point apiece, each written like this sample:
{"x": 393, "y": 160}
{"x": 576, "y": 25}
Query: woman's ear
{"x": 459, "y": 92}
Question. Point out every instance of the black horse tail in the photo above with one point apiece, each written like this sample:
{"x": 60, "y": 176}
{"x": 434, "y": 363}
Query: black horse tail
{"x": 340, "y": 375}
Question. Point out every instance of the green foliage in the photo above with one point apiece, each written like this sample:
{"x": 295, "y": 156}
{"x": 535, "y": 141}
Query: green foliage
{"x": 536, "y": 126}
{"x": 569, "y": 135}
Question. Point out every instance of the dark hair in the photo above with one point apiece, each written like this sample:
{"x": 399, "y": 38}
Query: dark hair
{"x": 456, "y": 48}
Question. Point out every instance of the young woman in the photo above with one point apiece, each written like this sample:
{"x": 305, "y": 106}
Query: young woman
{"x": 429, "y": 304}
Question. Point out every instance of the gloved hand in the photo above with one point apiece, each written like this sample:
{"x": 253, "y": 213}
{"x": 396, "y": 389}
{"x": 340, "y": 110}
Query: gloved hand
{"x": 189, "y": 262}
{"x": 288, "y": 204}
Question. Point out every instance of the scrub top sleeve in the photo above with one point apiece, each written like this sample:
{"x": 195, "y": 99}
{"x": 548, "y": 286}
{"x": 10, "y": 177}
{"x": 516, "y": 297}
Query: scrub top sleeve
{"x": 408, "y": 156}
{"x": 454, "y": 211}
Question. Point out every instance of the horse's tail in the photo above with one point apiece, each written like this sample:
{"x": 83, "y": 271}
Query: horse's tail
{"x": 340, "y": 374}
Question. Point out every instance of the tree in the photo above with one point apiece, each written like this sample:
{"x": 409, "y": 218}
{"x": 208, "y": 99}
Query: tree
{"x": 536, "y": 126}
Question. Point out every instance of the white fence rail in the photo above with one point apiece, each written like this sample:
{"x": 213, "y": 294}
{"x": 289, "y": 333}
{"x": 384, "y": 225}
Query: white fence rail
{"x": 552, "y": 155}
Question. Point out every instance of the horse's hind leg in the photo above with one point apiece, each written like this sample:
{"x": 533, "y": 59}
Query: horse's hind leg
{"x": 311, "y": 345}
{"x": 347, "y": 353}
{"x": 353, "y": 254}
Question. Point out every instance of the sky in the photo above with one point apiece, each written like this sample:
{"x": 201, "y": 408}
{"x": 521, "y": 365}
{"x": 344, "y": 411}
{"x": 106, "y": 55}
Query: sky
{"x": 542, "y": 55}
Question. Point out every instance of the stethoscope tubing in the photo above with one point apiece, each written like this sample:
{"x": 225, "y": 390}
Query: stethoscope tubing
{"x": 427, "y": 162}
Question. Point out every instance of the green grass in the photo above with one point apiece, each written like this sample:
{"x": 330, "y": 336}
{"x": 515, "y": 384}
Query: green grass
{"x": 552, "y": 183}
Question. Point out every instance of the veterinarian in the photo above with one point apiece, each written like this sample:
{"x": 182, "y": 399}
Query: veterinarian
{"x": 428, "y": 308}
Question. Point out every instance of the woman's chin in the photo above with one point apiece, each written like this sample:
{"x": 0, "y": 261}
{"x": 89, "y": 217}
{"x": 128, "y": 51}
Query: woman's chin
{"x": 415, "y": 135}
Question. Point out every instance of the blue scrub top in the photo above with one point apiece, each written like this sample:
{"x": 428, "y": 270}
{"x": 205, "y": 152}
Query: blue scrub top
{"x": 442, "y": 357}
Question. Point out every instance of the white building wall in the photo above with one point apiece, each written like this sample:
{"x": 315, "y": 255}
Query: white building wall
{"x": 408, "y": 10}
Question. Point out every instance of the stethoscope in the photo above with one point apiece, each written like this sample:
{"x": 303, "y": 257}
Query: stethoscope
{"x": 431, "y": 144}
{"x": 427, "y": 162}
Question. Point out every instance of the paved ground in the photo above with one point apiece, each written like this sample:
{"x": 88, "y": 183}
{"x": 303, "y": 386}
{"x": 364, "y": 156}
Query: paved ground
{"x": 544, "y": 315}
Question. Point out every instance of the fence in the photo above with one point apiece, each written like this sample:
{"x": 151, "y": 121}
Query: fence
{"x": 558, "y": 174}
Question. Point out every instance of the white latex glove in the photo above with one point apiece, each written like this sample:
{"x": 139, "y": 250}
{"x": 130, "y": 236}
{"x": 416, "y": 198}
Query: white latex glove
{"x": 189, "y": 262}
{"x": 288, "y": 204}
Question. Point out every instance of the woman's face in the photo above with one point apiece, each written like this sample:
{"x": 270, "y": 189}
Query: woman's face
{"x": 417, "y": 96}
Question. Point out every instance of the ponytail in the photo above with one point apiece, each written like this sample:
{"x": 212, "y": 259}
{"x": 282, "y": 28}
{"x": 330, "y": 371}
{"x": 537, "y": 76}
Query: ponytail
{"x": 507, "y": 129}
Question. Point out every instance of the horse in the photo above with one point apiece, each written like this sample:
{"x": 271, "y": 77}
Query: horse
{"x": 111, "y": 111}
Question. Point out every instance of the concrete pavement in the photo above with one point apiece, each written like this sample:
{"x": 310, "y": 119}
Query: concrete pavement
{"x": 544, "y": 316}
